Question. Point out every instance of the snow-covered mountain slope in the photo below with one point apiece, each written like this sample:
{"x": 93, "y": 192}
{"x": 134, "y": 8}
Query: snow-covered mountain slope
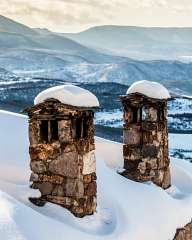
{"x": 15, "y": 40}
{"x": 125, "y": 208}
{"x": 16, "y": 35}
{"x": 8, "y": 25}
{"x": 79, "y": 67}
{"x": 44, "y": 54}
{"x": 139, "y": 42}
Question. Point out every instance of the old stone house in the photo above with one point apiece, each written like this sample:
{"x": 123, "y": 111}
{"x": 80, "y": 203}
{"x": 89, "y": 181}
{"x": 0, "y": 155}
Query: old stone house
{"x": 62, "y": 149}
{"x": 145, "y": 134}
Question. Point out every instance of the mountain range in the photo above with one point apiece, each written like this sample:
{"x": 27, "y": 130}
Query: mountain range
{"x": 139, "y": 42}
{"x": 99, "y": 54}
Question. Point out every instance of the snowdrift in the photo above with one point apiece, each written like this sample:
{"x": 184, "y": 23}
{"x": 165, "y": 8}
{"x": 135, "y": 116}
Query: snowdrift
{"x": 126, "y": 209}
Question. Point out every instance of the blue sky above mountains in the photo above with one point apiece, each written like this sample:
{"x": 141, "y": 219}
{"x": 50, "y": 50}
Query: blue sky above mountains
{"x": 76, "y": 15}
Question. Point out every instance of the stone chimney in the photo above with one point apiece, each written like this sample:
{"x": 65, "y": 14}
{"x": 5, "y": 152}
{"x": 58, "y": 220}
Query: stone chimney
{"x": 62, "y": 150}
{"x": 145, "y": 135}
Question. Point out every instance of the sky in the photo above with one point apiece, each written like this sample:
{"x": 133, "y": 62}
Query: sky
{"x": 77, "y": 15}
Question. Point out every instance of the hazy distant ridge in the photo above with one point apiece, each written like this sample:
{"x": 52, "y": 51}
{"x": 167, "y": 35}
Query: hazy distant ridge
{"x": 88, "y": 56}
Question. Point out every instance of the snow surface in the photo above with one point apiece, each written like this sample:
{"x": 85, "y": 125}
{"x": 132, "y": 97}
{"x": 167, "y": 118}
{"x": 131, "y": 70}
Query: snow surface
{"x": 69, "y": 94}
{"x": 126, "y": 209}
{"x": 150, "y": 89}
{"x": 180, "y": 141}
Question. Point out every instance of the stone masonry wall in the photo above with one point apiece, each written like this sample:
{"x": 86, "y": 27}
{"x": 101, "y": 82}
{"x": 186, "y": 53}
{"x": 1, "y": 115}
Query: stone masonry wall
{"x": 145, "y": 137}
{"x": 184, "y": 233}
{"x": 64, "y": 170}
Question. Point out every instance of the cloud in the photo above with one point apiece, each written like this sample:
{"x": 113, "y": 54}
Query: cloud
{"x": 74, "y": 15}
{"x": 57, "y": 13}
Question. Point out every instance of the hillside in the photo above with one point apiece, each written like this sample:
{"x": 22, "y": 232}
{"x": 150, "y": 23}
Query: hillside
{"x": 42, "y": 54}
{"x": 10, "y": 26}
{"x": 19, "y": 36}
{"x": 139, "y": 42}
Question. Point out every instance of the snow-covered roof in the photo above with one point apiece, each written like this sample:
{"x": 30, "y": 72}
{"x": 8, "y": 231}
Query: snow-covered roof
{"x": 70, "y": 95}
{"x": 149, "y": 212}
{"x": 150, "y": 89}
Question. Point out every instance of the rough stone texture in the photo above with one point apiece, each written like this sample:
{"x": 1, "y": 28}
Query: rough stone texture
{"x": 65, "y": 131}
{"x": 65, "y": 165}
{"x": 145, "y": 137}
{"x": 89, "y": 163}
{"x": 132, "y": 136}
{"x": 62, "y": 156}
{"x": 184, "y": 233}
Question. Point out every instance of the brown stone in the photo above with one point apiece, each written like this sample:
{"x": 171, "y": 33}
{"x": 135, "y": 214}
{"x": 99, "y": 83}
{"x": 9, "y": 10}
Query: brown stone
{"x": 91, "y": 189}
{"x": 94, "y": 176}
{"x": 51, "y": 178}
{"x": 45, "y": 188}
{"x": 64, "y": 201}
{"x": 38, "y": 167}
{"x": 33, "y": 133}
{"x": 65, "y": 134}
{"x": 131, "y": 136}
{"x": 65, "y": 165}
{"x": 131, "y": 165}
{"x": 148, "y": 126}
{"x": 131, "y": 153}
{"x": 58, "y": 190}
{"x": 151, "y": 114}
{"x": 127, "y": 116}
{"x": 167, "y": 179}
{"x": 184, "y": 233}
{"x": 87, "y": 178}
{"x": 149, "y": 150}
{"x": 70, "y": 148}
{"x": 91, "y": 205}
{"x": 74, "y": 187}
{"x": 34, "y": 177}
{"x": 44, "y": 151}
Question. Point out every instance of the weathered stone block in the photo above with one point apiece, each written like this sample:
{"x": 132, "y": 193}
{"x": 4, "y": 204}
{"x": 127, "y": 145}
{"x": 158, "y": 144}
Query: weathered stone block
{"x": 94, "y": 176}
{"x": 90, "y": 206}
{"x": 38, "y": 167}
{"x": 184, "y": 233}
{"x": 131, "y": 165}
{"x": 149, "y": 150}
{"x": 127, "y": 116}
{"x": 56, "y": 179}
{"x": 131, "y": 153}
{"x": 45, "y": 188}
{"x": 65, "y": 165}
{"x": 149, "y": 126}
{"x": 44, "y": 151}
{"x": 142, "y": 167}
{"x": 74, "y": 188}
{"x": 152, "y": 163}
{"x": 89, "y": 163}
{"x": 167, "y": 179}
{"x": 91, "y": 189}
{"x": 33, "y": 132}
{"x": 87, "y": 178}
{"x": 65, "y": 134}
{"x": 70, "y": 148}
{"x": 64, "y": 201}
{"x": 59, "y": 190}
{"x": 151, "y": 114}
{"x": 131, "y": 136}
{"x": 34, "y": 177}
